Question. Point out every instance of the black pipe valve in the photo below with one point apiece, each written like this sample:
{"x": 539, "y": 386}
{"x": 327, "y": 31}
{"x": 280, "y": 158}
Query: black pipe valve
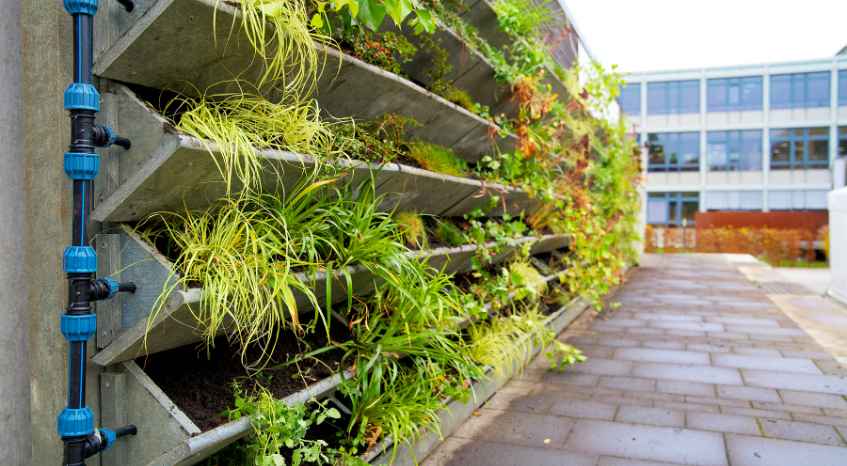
{"x": 105, "y": 288}
{"x": 104, "y": 136}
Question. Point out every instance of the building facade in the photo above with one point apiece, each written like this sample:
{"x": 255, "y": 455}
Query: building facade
{"x": 741, "y": 138}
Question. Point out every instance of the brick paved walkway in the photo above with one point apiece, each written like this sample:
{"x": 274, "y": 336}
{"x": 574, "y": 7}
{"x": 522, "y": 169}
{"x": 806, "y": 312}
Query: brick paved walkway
{"x": 697, "y": 367}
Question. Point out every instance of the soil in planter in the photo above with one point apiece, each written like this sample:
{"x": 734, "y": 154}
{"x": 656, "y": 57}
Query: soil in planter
{"x": 202, "y": 386}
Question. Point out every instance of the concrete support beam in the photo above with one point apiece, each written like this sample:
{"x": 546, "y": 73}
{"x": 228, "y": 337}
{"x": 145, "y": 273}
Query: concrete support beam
{"x": 14, "y": 313}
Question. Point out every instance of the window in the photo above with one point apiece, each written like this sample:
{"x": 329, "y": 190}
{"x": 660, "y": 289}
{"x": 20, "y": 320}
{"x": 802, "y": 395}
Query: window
{"x": 673, "y": 97}
{"x": 734, "y": 150}
{"x": 732, "y": 94}
{"x": 797, "y": 200}
{"x": 799, "y": 148}
{"x": 842, "y": 87}
{"x": 842, "y": 141}
{"x": 800, "y": 90}
{"x": 734, "y": 200}
{"x": 630, "y": 99}
{"x": 672, "y": 208}
{"x": 670, "y": 152}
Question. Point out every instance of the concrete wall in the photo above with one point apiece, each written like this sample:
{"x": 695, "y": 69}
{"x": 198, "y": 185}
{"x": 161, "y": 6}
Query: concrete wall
{"x": 14, "y": 364}
{"x": 47, "y": 63}
{"x": 837, "y": 244}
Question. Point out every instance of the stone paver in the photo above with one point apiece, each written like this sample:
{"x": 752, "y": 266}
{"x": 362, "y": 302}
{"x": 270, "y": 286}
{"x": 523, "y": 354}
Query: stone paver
{"x": 698, "y": 366}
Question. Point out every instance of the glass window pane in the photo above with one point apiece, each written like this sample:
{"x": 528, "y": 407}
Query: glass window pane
{"x": 657, "y": 98}
{"x": 689, "y": 210}
{"x": 657, "y": 210}
{"x": 798, "y": 155}
{"x": 780, "y": 154}
{"x": 751, "y": 93}
{"x": 798, "y": 91}
{"x": 842, "y": 141}
{"x": 751, "y": 150}
{"x": 716, "y": 95}
{"x": 819, "y": 152}
{"x": 690, "y": 96}
{"x": 780, "y": 91}
{"x": 842, "y": 87}
{"x": 630, "y": 99}
{"x": 818, "y": 89}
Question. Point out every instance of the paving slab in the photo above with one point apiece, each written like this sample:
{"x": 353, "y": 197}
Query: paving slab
{"x": 698, "y": 366}
{"x": 746, "y": 450}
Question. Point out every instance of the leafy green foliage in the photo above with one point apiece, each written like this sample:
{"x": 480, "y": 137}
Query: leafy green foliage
{"x": 560, "y": 355}
{"x": 448, "y": 233}
{"x": 277, "y": 426}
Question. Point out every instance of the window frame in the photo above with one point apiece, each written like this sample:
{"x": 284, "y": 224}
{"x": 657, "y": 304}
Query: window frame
{"x": 673, "y": 97}
{"x": 674, "y": 202}
{"x": 799, "y": 83}
{"x": 625, "y": 100}
{"x": 795, "y": 136}
{"x": 675, "y": 142}
{"x": 736, "y": 137}
{"x": 714, "y": 85}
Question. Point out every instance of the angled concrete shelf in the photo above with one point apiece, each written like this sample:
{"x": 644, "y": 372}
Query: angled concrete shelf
{"x": 469, "y": 71}
{"x": 165, "y": 171}
{"x": 481, "y": 15}
{"x": 126, "y": 332}
{"x": 186, "y": 45}
{"x": 166, "y": 435}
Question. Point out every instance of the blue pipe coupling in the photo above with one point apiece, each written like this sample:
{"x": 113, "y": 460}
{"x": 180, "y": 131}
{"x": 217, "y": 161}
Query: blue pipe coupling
{"x": 80, "y": 259}
{"x": 82, "y": 96}
{"x": 81, "y": 7}
{"x": 78, "y": 327}
{"x": 75, "y": 422}
{"x": 81, "y": 166}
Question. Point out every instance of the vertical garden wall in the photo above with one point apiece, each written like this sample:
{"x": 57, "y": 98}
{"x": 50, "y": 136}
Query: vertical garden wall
{"x": 349, "y": 222}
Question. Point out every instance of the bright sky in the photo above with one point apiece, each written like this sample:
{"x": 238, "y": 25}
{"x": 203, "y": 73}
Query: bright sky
{"x": 647, "y": 35}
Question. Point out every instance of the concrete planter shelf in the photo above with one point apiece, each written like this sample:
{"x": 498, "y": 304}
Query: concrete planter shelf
{"x": 167, "y": 44}
{"x": 124, "y": 328}
{"x": 172, "y": 438}
{"x": 470, "y": 70}
{"x": 481, "y": 15}
{"x": 165, "y": 171}
{"x": 169, "y": 436}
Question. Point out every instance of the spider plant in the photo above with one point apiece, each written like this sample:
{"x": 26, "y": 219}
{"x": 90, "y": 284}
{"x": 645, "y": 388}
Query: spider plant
{"x": 244, "y": 253}
{"x": 280, "y": 34}
{"x": 233, "y": 127}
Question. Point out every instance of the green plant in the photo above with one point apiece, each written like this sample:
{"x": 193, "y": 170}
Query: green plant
{"x": 506, "y": 342}
{"x": 234, "y": 126}
{"x": 561, "y": 355}
{"x": 281, "y": 34}
{"x": 448, "y": 233}
{"x": 412, "y": 229}
{"x": 437, "y": 158}
{"x": 277, "y": 426}
{"x": 525, "y": 280}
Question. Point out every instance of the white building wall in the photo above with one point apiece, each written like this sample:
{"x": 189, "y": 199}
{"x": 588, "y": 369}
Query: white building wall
{"x": 731, "y": 183}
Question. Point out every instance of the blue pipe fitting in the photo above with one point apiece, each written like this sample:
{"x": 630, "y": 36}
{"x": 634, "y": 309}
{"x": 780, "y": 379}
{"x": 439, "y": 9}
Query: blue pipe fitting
{"x": 113, "y": 286}
{"x": 109, "y": 436}
{"x": 75, "y": 422}
{"x": 81, "y": 7}
{"x": 81, "y": 166}
{"x": 80, "y": 259}
{"x": 82, "y": 96}
{"x": 78, "y": 327}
